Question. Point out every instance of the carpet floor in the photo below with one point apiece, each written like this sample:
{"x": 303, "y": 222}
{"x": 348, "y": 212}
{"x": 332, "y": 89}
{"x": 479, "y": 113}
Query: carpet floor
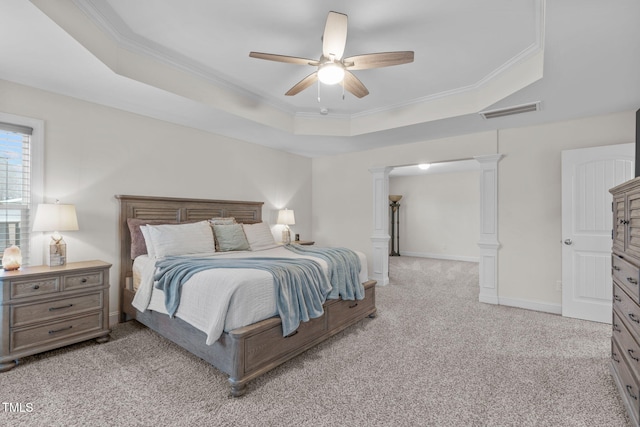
{"x": 434, "y": 356}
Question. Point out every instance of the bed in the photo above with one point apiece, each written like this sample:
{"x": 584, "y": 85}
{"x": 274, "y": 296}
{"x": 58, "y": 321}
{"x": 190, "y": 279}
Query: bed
{"x": 246, "y": 352}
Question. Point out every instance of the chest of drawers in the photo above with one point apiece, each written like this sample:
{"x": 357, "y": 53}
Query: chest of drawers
{"x": 43, "y": 308}
{"x": 625, "y": 271}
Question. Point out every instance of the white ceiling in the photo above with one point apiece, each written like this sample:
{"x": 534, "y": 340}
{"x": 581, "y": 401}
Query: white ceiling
{"x": 188, "y": 62}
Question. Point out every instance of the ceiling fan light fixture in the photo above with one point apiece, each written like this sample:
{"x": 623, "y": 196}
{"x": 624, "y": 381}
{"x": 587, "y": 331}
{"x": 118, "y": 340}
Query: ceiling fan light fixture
{"x": 330, "y": 73}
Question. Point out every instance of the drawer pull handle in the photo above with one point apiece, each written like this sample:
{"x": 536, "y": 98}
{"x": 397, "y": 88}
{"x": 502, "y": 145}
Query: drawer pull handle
{"x": 617, "y": 298}
{"x": 632, "y": 280}
{"x": 632, "y": 356}
{"x": 354, "y": 305}
{"x": 629, "y": 391}
{"x": 616, "y": 268}
{"x": 614, "y": 356}
{"x": 36, "y": 286}
{"x": 60, "y": 330}
{"x": 633, "y": 317}
{"x": 61, "y": 307}
{"x": 84, "y": 280}
{"x": 616, "y": 328}
{"x": 292, "y": 334}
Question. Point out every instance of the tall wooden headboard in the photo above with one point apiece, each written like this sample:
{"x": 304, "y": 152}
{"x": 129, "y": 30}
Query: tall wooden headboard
{"x": 174, "y": 210}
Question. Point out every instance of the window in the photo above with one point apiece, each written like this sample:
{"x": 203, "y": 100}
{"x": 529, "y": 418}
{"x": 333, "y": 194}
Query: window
{"x": 20, "y": 183}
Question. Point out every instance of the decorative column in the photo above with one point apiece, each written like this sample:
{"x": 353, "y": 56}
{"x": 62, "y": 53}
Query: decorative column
{"x": 380, "y": 237}
{"x": 489, "y": 243}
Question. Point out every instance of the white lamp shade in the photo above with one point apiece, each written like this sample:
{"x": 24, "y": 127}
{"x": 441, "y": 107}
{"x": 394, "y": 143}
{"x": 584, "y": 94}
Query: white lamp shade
{"x": 286, "y": 217}
{"x": 55, "y": 217}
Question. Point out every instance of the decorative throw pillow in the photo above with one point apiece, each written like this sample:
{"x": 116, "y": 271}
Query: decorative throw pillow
{"x": 230, "y": 237}
{"x": 259, "y": 236}
{"x": 227, "y": 220}
{"x": 222, "y": 220}
{"x": 181, "y": 239}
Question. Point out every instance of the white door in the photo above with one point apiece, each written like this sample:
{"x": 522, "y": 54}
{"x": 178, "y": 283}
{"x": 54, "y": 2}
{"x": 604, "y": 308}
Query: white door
{"x": 587, "y": 176}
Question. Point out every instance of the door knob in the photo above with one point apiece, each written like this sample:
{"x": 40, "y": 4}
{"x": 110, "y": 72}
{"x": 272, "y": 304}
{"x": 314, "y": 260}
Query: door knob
{"x": 568, "y": 242}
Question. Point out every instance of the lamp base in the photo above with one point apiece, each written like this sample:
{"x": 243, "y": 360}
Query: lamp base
{"x": 286, "y": 236}
{"x": 57, "y": 253}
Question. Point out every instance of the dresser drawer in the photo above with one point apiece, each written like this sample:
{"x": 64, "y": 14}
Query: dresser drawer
{"x": 627, "y": 344}
{"x": 627, "y": 275}
{"x": 79, "y": 281}
{"x": 630, "y": 390}
{"x": 627, "y": 308}
{"x": 22, "y": 339}
{"x": 33, "y": 287}
{"x": 29, "y": 313}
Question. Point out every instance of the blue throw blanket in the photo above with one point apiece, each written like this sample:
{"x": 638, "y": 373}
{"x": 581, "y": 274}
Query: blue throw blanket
{"x": 302, "y": 286}
{"x": 344, "y": 269}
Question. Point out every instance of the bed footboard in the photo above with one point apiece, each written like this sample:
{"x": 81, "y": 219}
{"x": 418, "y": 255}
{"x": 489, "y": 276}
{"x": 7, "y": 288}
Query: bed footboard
{"x": 248, "y": 352}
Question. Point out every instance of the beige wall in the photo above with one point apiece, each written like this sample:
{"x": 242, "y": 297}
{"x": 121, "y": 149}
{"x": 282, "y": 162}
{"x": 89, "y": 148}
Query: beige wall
{"x": 439, "y": 214}
{"x": 529, "y": 204}
{"x": 93, "y": 153}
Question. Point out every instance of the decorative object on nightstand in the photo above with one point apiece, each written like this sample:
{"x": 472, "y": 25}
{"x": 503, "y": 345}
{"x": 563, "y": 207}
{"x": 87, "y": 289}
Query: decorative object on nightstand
{"x": 50, "y": 307}
{"x": 56, "y": 218}
{"x": 395, "y": 224}
{"x": 286, "y": 218}
{"x": 11, "y": 258}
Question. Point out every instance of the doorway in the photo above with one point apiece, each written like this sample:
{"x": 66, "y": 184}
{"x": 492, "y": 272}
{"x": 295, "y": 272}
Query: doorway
{"x": 488, "y": 240}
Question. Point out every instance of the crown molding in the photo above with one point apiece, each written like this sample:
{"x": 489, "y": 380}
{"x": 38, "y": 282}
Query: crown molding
{"x": 115, "y": 28}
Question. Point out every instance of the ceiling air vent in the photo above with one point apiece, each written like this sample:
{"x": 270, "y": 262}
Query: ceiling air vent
{"x": 509, "y": 111}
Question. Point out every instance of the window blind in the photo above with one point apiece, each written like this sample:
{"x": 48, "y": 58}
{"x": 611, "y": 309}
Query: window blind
{"x": 15, "y": 187}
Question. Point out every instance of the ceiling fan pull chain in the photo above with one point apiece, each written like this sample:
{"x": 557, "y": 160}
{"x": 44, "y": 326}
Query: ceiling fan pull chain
{"x": 343, "y": 91}
{"x": 318, "y": 91}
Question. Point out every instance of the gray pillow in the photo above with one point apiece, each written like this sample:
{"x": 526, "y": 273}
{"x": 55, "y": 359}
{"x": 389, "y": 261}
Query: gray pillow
{"x": 230, "y": 237}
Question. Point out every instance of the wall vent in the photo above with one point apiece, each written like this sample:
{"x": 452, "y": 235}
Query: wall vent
{"x": 509, "y": 111}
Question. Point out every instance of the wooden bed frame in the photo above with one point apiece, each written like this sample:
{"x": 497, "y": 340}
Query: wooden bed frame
{"x": 243, "y": 353}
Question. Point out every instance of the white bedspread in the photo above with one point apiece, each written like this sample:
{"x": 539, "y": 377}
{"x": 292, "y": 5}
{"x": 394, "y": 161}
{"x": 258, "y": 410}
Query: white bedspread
{"x": 220, "y": 300}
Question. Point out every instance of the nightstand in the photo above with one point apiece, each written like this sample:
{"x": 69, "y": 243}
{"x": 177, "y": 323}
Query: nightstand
{"x": 302, "y": 242}
{"x": 43, "y": 308}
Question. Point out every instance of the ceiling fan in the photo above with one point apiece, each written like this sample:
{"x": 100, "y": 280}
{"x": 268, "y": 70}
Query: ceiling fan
{"x": 332, "y": 68}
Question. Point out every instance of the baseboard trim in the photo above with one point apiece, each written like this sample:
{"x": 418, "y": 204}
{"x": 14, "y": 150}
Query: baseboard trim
{"x": 531, "y": 305}
{"x": 114, "y": 318}
{"x": 441, "y": 256}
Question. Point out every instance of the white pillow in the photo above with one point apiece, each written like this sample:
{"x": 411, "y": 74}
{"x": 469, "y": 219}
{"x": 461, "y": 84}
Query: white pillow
{"x": 259, "y": 236}
{"x": 180, "y": 239}
{"x": 147, "y": 241}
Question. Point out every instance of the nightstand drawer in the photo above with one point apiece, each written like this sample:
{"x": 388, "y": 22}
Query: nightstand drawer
{"x": 24, "y": 314}
{"x": 29, "y": 288}
{"x": 54, "y": 331}
{"x": 78, "y": 281}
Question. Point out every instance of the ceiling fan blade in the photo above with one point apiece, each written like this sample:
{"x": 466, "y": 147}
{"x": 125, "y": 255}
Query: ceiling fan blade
{"x": 283, "y": 58}
{"x": 303, "y": 84}
{"x": 353, "y": 85}
{"x": 378, "y": 60}
{"x": 334, "y": 37}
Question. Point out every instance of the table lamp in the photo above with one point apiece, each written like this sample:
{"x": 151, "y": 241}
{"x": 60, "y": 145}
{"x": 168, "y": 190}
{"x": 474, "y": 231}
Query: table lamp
{"x": 286, "y": 218}
{"x": 56, "y": 218}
